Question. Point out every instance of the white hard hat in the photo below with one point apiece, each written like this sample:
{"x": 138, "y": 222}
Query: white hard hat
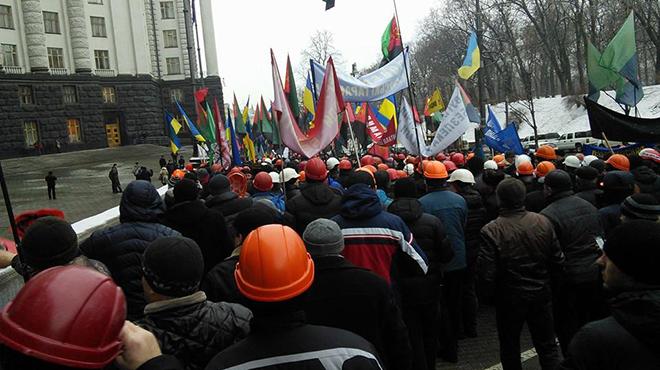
{"x": 490, "y": 165}
{"x": 331, "y": 163}
{"x": 276, "y": 177}
{"x": 268, "y": 160}
{"x": 462, "y": 175}
{"x": 589, "y": 158}
{"x": 290, "y": 173}
{"x": 409, "y": 169}
{"x": 522, "y": 158}
{"x": 572, "y": 161}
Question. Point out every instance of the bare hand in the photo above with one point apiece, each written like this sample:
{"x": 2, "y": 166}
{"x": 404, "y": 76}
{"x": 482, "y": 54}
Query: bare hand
{"x": 140, "y": 346}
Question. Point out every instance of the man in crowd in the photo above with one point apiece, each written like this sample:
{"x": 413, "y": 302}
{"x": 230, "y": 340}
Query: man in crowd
{"x": 222, "y": 199}
{"x": 114, "y": 179}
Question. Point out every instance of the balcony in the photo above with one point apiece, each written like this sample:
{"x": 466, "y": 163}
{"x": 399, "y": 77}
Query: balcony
{"x": 12, "y": 70}
{"x": 59, "y": 71}
{"x": 105, "y": 72}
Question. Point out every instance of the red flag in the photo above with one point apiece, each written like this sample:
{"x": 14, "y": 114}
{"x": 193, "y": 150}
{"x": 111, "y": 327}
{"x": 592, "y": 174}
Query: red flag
{"x": 200, "y": 95}
{"x": 380, "y": 151}
{"x": 374, "y": 128}
{"x": 426, "y": 108}
{"x": 389, "y": 137}
{"x": 361, "y": 113}
{"x": 416, "y": 115}
{"x": 225, "y": 153}
{"x": 349, "y": 111}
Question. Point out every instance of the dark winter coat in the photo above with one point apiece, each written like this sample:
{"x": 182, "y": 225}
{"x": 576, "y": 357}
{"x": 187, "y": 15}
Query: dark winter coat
{"x": 367, "y": 308}
{"x": 205, "y": 226}
{"x": 590, "y": 195}
{"x": 520, "y": 252}
{"x": 476, "y": 219}
{"x": 193, "y": 329}
{"x": 120, "y": 247}
{"x": 50, "y": 181}
{"x": 229, "y": 204}
{"x": 627, "y": 340}
{"x": 535, "y": 201}
{"x": 219, "y": 284}
{"x": 577, "y": 225}
{"x": 286, "y": 342}
{"x": 316, "y": 200}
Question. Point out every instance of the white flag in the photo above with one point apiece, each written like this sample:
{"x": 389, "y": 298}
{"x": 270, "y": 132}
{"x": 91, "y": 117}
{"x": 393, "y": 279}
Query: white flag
{"x": 454, "y": 124}
{"x": 406, "y": 130}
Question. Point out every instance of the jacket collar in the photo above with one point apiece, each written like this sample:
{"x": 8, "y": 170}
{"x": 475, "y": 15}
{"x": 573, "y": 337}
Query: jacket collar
{"x": 508, "y": 212}
{"x": 195, "y": 298}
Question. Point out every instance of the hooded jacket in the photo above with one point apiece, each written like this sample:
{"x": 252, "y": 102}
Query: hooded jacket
{"x": 476, "y": 219}
{"x": 229, "y": 204}
{"x": 120, "y": 247}
{"x": 627, "y": 340}
{"x": 316, "y": 200}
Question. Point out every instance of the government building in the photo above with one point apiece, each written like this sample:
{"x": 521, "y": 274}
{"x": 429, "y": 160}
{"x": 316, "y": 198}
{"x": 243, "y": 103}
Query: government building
{"x": 79, "y": 74}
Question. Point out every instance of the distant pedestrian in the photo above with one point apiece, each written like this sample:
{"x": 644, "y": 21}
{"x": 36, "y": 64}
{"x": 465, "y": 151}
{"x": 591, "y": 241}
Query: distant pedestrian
{"x": 136, "y": 170}
{"x": 164, "y": 175}
{"x": 144, "y": 174}
{"x": 182, "y": 161}
{"x": 162, "y": 162}
{"x": 50, "y": 181}
{"x": 114, "y": 179}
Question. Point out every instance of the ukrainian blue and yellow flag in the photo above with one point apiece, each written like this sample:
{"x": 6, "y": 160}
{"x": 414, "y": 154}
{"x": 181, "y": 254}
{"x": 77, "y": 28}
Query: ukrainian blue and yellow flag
{"x": 387, "y": 110}
{"x": 472, "y": 60}
{"x": 308, "y": 101}
{"x": 191, "y": 126}
{"x": 174, "y": 128}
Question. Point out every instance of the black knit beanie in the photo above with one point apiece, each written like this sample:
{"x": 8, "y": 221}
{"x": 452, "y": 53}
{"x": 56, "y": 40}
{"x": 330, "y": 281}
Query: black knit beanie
{"x": 48, "y": 242}
{"x": 641, "y": 206}
{"x": 633, "y": 248}
{"x": 185, "y": 190}
{"x": 405, "y": 188}
{"x": 558, "y": 180}
{"x": 249, "y": 219}
{"x": 173, "y": 266}
{"x": 219, "y": 184}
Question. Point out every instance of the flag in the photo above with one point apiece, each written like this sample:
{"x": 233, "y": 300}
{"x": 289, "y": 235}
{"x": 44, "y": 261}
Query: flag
{"x": 416, "y": 117}
{"x": 329, "y": 4}
{"x": 235, "y": 152}
{"x": 435, "y": 103}
{"x": 454, "y": 124}
{"x": 249, "y": 148}
{"x": 504, "y": 140}
{"x": 174, "y": 127}
{"x": 599, "y": 77}
{"x": 361, "y": 113}
{"x": 492, "y": 123}
{"x": 246, "y": 111}
{"x": 408, "y": 133}
{"x": 387, "y": 111}
{"x": 191, "y": 126}
{"x": 308, "y": 101}
{"x": 375, "y": 129}
{"x": 290, "y": 89}
{"x": 239, "y": 124}
{"x": 326, "y": 124}
{"x": 391, "y": 44}
{"x": 225, "y": 154}
{"x": 472, "y": 112}
{"x": 472, "y": 60}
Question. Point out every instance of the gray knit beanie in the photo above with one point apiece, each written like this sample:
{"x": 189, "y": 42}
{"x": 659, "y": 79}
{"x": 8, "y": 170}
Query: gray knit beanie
{"x": 323, "y": 237}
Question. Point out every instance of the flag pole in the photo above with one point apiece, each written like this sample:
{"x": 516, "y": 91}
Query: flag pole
{"x": 10, "y": 211}
{"x": 350, "y": 129}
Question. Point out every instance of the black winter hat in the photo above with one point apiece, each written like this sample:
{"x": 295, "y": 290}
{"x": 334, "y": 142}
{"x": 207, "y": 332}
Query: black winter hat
{"x": 511, "y": 193}
{"x": 641, "y": 206}
{"x": 618, "y": 180}
{"x": 586, "y": 173}
{"x": 173, "y": 266}
{"x": 48, "y": 242}
{"x": 598, "y": 164}
{"x": 558, "y": 180}
{"x": 405, "y": 187}
{"x": 633, "y": 248}
{"x": 219, "y": 184}
{"x": 248, "y": 220}
{"x": 185, "y": 190}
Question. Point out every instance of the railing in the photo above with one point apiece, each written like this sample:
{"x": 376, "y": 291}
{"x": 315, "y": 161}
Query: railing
{"x": 105, "y": 72}
{"x": 12, "y": 70}
{"x": 59, "y": 71}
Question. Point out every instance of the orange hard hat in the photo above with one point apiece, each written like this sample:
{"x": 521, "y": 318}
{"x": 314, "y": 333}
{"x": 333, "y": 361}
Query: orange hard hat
{"x": 619, "y": 161}
{"x": 435, "y": 170}
{"x": 544, "y": 168}
{"x": 392, "y": 173}
{"x": 370, "y": 168}
{"x": 189, "y": 167}
{"x": 377, "y": 161}
{"x": 316, "y": 169}
{"x": 498, "y": 158}
{"x": 525, "y": 168}
{"x": 301, "y": 176}
{"x": 401, "y": 174}
{"x": 274, "y": 265}
{"x": 546, "y": 152}
{"x": 382, "y": 167}
{"x": 345, "y": 164}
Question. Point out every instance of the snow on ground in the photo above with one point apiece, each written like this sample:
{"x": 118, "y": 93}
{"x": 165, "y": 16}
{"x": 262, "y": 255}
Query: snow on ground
{"x": 553, "y": 115}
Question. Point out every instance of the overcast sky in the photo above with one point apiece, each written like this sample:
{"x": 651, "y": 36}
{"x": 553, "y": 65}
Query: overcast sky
{"x": 245, "y": 30}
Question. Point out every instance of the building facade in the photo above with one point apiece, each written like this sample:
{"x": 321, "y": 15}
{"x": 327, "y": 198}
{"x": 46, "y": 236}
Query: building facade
{"x": 77, "y": 74}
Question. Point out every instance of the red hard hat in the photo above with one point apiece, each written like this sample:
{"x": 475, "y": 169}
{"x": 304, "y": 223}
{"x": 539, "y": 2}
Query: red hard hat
{"x": 369, "y": 168}
{"x": 377, "y": 161}
{"x": 450, "y": 166}
{"x": 366, "y": 160}
{"x": 274, "y": 265}
{"x": 301, "y": 166}
{"x": 66, "y": 315}
{"x": 263, "y": 181}
{"x": 315, "y": 169}
{"x": 278, "y": 163}
{"x": 345, "y": 164}
{"x": 189, "y": 167}
{"x": 401, "y": 156}
{"x": 458, "y": 159}
{"x": 25, "y": 219}
{"x": 441, "y": 157}
{"x": 382, "y": 167}
{"x": 393, "y": 174}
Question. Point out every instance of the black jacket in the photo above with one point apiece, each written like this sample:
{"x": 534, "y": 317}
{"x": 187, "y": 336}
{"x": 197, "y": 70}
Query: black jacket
{"x": 577, "y": 225}
{"x": 219, "y": 284}
{"x": 193, "y": 329}
{"x": 230, "y": 205}
{"x": 205, "y": 226}
{"x": 627, "y": 340}
{"x": 351, "y": 298}
{"x": 285, "y": 342}
{"x": 519, "y": 254}
{"x": 316, "y": 200}
{"x": 535, "y": 201}
{"x": 476, "y": 219}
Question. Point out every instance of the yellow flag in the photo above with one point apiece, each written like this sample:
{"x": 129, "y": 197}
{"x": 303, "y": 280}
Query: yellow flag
{"x": 435, "y": 102}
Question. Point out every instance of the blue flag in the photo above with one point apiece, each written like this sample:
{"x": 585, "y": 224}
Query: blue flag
{"x": 235, "y": 152}
{"x": 492, "y": 123}
{"x": 504, "y": 141}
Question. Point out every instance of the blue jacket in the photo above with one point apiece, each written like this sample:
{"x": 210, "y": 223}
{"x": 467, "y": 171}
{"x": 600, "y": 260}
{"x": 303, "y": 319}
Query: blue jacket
{"x": 277, "y": 199}
{"x": 452, "y": 210}
{"x": 335, "y": 184}
{"x": 385, "y": 201}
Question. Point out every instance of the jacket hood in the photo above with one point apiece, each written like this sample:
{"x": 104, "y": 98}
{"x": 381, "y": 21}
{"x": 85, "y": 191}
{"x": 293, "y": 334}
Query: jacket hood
{"x": 220, "y": 198}
{"x": 409, "y": 209}
{"x": 140, "y": 202}
{"x": 317, "y": 193}
{"x": 639, "y": 313}
{"x": 187, "y": 213}
{"x": 360, "y": 201}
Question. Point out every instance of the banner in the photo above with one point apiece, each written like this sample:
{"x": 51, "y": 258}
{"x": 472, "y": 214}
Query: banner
{"x": 406, "y": 135}
{"x": 619, "y": 127}
{"x": 454, "y": 124}
{"x": 603, "y": 152}
{"x": 377, "y": 85}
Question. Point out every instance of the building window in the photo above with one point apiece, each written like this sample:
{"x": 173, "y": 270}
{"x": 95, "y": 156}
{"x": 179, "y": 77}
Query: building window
{"x": 9, "y": 56}
{"x": 169, "y": 36}
{"x": 176, "y": 95}
{"x": 25, "y": 95}
{"x": 51, "y": 22}
{"x": 102, "y": 59}
{"x": 69, "y": 94}
{"x": 55, "y": 58}
{"x": 73, "y": 128}
{"x": 173, "y": 66}
{"x": 167, "y": 9}
{"x": 98, "y": 27}
{"x": 109, "y": 96}
{"x": 31, "y": 133}
{"x": 6, "y": 20}
{"x": 95, "y": 2}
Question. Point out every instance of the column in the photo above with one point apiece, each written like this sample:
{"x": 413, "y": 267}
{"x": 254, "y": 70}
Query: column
{"x": 79, "y": 36}
{"x": 35, "y": 37}
{"x": 211, "y": 55}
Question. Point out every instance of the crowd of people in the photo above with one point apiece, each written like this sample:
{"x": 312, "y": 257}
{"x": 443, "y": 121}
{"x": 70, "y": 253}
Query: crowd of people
{"x": 371, "y": 263}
